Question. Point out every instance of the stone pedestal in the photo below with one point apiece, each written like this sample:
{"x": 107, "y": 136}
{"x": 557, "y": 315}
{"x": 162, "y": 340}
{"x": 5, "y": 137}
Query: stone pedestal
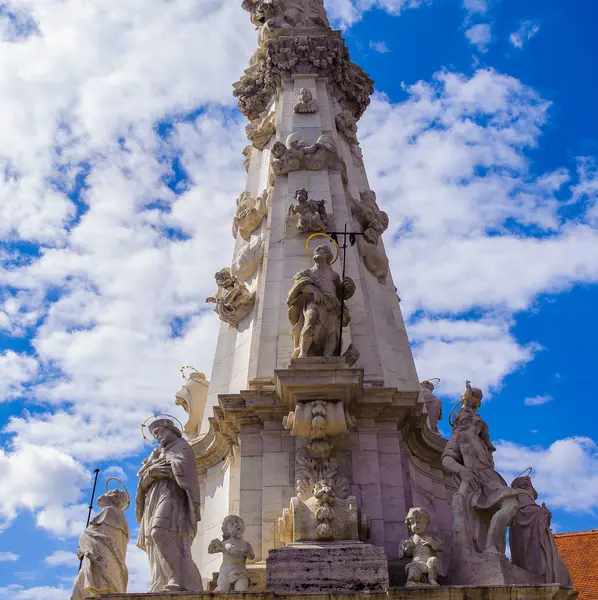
{"x": 493, "y": 569}
{"x": 326, "y": 567}
{"x": 457, "y": 592}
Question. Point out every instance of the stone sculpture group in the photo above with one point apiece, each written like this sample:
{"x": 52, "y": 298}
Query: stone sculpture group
{"x": 168, "y": 500}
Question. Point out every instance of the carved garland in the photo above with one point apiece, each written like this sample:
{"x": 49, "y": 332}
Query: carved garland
{"x": 321, "y": 55}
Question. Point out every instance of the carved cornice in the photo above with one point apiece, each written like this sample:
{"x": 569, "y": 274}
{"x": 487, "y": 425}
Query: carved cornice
{"x": 420, "y": 440}
{"x": 212, "y": 448}
{"x": 303, "y": 52}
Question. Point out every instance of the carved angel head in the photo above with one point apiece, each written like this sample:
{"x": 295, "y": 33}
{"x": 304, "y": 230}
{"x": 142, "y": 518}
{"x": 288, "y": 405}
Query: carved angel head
{"x": 301, "y": 195}
{"x": 305, "y": 95}
{"x": 233, "y": 526}
{"x": 278, "y": 150}
{"x": 417, "y": 520}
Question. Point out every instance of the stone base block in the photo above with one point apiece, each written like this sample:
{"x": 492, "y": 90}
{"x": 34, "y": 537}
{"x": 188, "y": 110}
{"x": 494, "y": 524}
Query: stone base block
{"x": 326, "y": 567}
{"x": 456, "y": 592}
{"x": 488, "y": 569}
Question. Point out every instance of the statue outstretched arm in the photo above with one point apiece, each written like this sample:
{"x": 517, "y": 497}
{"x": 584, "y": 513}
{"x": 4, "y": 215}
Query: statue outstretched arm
{"x": 216, "y": 546}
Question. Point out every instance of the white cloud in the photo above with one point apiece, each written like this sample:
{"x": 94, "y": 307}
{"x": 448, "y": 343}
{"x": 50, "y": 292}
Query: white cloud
{"x": 63, "y": 521}
{"x": 480, "y": 36}
{"x": 62, "y": 558}
{"x": 458, "y": 350}
{"x": 475, "y": 6}
{"x": 115, "y": 471}
{"x": 380, "y": 47}
{"x": 138, "y": 565}
{"x": 537, "y": 400}
{"x": 17, "y": 370}
{"x": 8, "y": 557}
{"x": 53, "y": 478}
{"x": 344, "y": 13}
{"x": 527, "y": 30}
{"x": 18, "y": 592}
{"x": 565, "y": 474}
{"x": 449, "y": 166}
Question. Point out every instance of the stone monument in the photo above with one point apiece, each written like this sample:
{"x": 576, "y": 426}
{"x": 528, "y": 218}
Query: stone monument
{"x": 316, "y": 433}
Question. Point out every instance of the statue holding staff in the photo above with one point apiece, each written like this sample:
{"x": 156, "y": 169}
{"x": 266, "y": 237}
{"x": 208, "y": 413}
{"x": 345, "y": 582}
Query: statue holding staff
{"x": 103, "y": 549}
{"x": 315, "y": 304}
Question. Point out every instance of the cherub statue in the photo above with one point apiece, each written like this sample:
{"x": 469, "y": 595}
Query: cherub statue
{"x": 297, "y": 154}
{"x": 103, "y": 549}
{"x": 312, "y": 213}
{"x": 233, "y": 299}
{"x": 287, "y": 159}
{"x": 235, "y": 551}
{"x": 432, "y": 403}
{"x": 422, "y": 549}
{"x": 314, "y": 304}
{"x": 305, "y": 102}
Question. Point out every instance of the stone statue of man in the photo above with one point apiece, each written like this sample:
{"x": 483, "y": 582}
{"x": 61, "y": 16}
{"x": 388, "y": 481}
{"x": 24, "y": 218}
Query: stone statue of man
{"x": 168, "y": 511}
{"x": 314, "y": 304}
{"x": 103, "y": 549}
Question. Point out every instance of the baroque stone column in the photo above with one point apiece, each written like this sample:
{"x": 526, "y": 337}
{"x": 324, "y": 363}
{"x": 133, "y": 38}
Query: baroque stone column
{"x": 303, "y": 98}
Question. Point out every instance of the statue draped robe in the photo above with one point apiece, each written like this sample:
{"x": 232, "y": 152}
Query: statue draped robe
{"x": 104, "y": 572}
{"x": 171, "y": 504}
{"x": 476, "y": 500}
{"x": 532, "y": 544}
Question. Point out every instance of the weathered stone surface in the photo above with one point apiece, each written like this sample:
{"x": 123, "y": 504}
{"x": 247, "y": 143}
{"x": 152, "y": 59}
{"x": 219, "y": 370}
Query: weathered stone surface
{"x": 517, "y": 592}
{"x": 328, "y": 568}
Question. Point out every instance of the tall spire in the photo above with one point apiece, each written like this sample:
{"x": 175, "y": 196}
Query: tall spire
{"x": 287, "y": 403}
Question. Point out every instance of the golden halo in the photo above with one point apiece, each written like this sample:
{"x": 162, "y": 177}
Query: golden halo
{"x": 144, "y": 425}
{"x": 182, "y": 370}
{"x": 525, "y": 473}
{"x": 312, "y": 236}
{"x": 437, "y": 379}
{"x": 124, "y": 488}
{"x": 478, "y": 403}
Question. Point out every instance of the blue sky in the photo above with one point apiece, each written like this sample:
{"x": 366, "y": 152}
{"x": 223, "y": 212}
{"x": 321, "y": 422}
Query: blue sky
{"x": 121, "y": 152}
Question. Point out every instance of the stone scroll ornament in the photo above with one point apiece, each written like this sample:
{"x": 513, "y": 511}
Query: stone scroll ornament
{"x": 167, "y": 510}
{"x": 298, "y": 155}
{"x": 422, "y": 549}
{"x": 374, "y": 222}
{"x": 311, "y": 214}
{"x": 530, "y": 537}
{"x": 192, "y": 397}
{"x": 103, "y": 548}
{"x": 483, "y": 505}
{"x": 233, "y": 574}
{"x": 234, "y": 301}
{"x": 314, "y": 305}
{"x": 305, "y": 102}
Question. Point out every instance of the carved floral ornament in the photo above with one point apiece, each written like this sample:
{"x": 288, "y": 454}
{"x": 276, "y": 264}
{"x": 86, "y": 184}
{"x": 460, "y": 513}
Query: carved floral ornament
{"x": 320, "y": 55}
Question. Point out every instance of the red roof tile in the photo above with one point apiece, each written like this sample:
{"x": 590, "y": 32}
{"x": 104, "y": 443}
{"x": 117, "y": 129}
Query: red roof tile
{"x": 580, "y": 553}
